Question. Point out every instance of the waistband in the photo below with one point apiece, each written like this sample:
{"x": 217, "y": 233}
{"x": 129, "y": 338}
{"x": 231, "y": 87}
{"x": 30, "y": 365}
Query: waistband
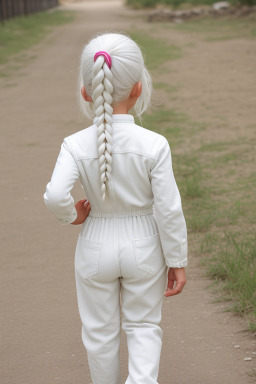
{"x": 135, "y": 212}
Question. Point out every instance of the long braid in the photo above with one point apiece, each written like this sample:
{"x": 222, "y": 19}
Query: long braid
{"x": 102, "y": 99}
{"x": 108, "y": 100}
{"x": 108, "y": 77}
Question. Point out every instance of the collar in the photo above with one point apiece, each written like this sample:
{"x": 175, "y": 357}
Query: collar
{"x": 119, "y": 118}
{"x": 122, "y": 118}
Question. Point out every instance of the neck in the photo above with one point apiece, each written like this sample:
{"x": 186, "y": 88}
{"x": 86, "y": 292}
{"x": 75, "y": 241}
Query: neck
{"x": 122, "y": 108}
{"x": 119, "y": 110}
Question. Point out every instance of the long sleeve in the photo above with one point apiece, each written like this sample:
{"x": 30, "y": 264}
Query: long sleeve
{"x": 57, "y": 197}
{"x": 168, "y": 209}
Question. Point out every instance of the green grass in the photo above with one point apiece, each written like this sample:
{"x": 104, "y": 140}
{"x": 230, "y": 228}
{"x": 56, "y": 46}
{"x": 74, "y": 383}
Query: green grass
{"x": 166, "y": 87}
{"x": 229, "y": 259}
{"x": 166, "y": 122}
{"x": 156, "y": 51}
{"x": 252, "y": 373}
{"x": 172, "y": 124}
{"x": 224, "y": 28}
{"x": 217, "y": 187}
{"x": 192, "y": 186}
{"x": 232, "y": 261}
{"x": 213, "y": 147}
{"x": 22, "y": 32}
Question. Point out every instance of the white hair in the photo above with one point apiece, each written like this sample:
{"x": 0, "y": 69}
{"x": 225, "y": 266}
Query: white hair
{"x": 108, "y": 87}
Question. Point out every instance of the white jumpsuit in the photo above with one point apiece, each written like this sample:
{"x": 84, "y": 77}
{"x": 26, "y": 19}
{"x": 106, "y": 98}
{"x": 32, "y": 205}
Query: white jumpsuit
{"x": 124, "y": 248}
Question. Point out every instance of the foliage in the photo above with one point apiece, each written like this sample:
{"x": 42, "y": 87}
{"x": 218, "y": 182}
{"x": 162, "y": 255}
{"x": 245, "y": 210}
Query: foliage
{"x": 176, "y": 3}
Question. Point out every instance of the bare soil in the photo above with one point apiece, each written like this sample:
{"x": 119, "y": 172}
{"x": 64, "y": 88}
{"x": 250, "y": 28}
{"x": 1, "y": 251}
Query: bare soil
{"x": 41, "y": 330}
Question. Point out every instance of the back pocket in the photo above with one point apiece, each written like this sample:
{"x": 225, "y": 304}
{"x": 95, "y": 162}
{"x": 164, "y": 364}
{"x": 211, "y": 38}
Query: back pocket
{"x": 149, "y": 253}
{"x": 87, "y": 257}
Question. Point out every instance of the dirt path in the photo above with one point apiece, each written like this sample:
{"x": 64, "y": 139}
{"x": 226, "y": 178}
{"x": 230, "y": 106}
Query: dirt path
{"x": 40, "y": 332}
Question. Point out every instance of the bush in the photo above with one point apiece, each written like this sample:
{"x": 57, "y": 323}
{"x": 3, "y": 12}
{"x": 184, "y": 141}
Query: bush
{"x": 146, "y": 3}
{"x": 176, "y": 3}
{"x": 173, "y": 3}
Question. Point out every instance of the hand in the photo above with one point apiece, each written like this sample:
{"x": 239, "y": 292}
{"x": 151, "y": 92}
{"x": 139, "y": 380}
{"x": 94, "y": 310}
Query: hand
{"x": 178, "y": 275}
{"x": 83, "y": 208}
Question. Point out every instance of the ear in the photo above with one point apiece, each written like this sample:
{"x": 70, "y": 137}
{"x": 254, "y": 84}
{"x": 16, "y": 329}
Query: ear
{"x": 136, "y": 90}
{"x": 86, "y": 97}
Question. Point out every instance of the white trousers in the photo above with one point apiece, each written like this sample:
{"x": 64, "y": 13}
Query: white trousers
{"x": 120, "y": 280}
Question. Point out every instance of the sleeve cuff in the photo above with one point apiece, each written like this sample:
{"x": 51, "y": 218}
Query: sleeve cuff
{"x": 181, "y": 260}
{"x": 177, "y": 264}
{"x": 69, "y": 219}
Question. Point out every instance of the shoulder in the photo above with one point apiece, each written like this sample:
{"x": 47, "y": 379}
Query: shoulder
{"x": 150, "y": 141}
{"x": 83, "y": 143}
{"x": 77, "y": 136}
{"x": 150, "y": 135}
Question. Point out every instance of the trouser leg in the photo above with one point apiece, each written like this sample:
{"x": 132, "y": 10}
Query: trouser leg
{"x": 99, "y": 308}
{"x": 141, "y": 306}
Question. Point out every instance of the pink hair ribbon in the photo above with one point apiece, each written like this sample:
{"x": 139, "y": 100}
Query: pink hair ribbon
{"x": 106, "y": 56}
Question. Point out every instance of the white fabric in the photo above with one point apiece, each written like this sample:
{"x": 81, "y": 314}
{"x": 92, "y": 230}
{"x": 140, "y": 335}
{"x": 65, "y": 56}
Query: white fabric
{"x": 124, "y": 246}
{"x": 123, "y": 255}
{"x": 142, "y": 177}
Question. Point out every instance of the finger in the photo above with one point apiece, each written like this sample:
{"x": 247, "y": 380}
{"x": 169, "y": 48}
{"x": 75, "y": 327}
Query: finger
{"x": 172, "y": 292}
{"x": 171, "y": 274}
{"x": 87, "y": 210}
{"x": 178, "y": 289}
{"x": 86, "y": 203}
{"x": 171, "y": 279}
{"x": 80, "y": 203}
{"x": 170, "y": 283}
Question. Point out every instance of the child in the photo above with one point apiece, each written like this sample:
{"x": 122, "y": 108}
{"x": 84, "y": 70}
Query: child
{"x": 133, "y": 232}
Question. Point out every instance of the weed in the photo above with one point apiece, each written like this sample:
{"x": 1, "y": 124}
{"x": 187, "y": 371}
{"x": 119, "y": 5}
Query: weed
{"x": 234, "y": 264}
{"x": 199, "y": 222}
